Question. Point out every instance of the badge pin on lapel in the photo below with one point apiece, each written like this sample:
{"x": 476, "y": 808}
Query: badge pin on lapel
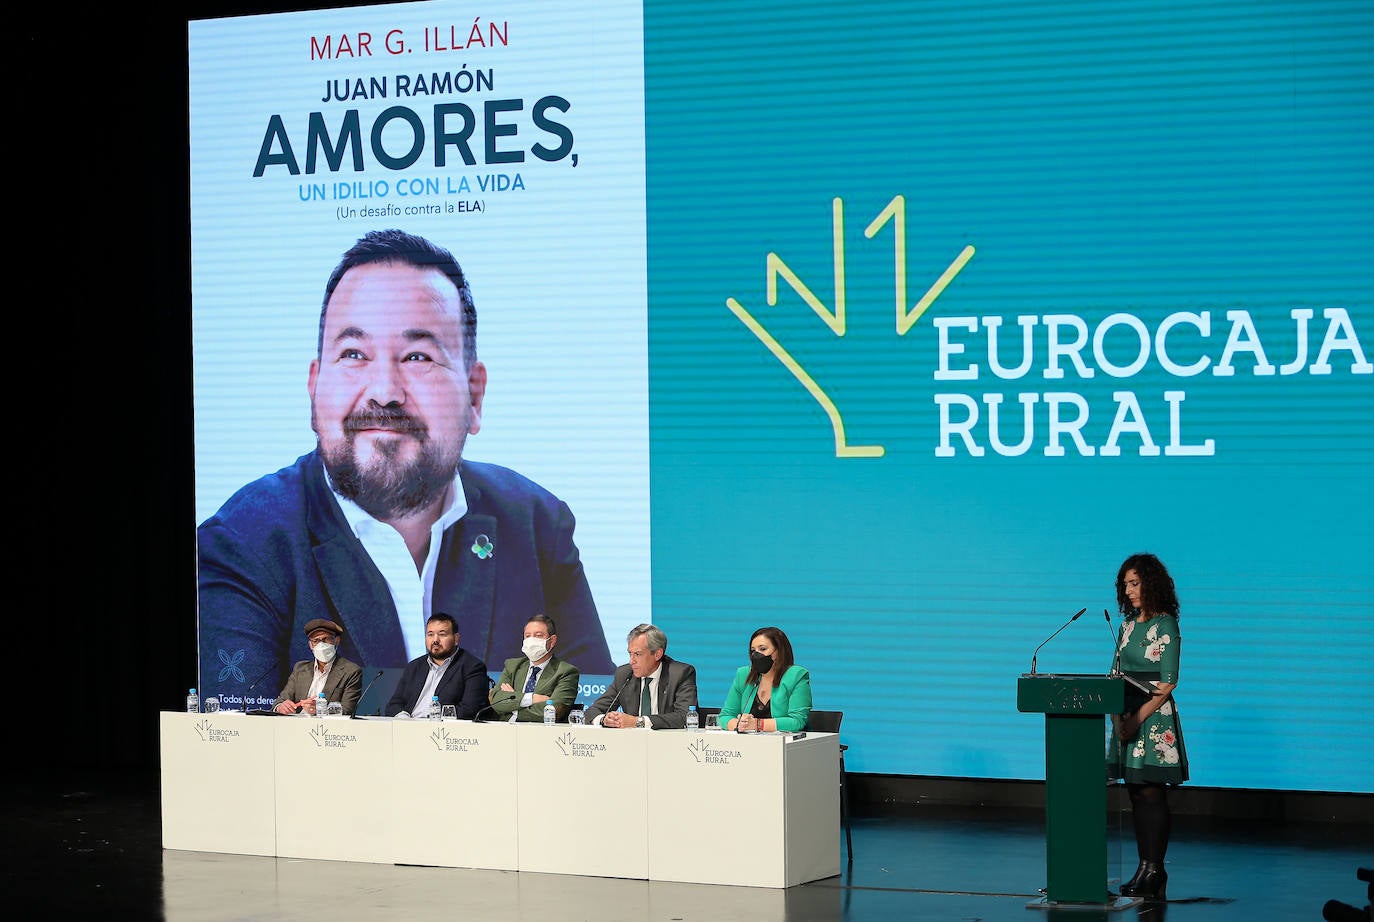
{"x": 483, "y": 547}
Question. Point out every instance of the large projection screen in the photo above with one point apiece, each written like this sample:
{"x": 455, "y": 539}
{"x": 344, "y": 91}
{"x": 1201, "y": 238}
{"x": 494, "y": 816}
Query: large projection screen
{"x": 898, "y": 326}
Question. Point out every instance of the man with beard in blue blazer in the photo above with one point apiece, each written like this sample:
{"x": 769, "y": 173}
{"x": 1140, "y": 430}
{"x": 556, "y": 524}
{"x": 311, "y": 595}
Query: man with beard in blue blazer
{"x": 447, "y": 671}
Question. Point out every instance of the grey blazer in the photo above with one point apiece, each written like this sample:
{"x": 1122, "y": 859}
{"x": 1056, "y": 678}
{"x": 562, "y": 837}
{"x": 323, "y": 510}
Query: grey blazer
{"x": 677, "y": 691}
{"x": 345, "y": 683}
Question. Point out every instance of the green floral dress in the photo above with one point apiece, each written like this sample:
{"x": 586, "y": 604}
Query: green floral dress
{"x": 1149, "y": 653}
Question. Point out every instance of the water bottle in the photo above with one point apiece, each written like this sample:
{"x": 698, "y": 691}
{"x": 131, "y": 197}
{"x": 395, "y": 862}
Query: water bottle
{"x": 692, "y": 720}
{"x": 435, "y": 712}
{"x": 321, "y": 705}
{"x": 192, "y": 702}
{"x": 550, "y": 713}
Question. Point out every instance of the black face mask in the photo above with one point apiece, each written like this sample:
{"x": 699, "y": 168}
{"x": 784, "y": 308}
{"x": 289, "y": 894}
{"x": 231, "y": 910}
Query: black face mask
{"x": 761, "y": 662}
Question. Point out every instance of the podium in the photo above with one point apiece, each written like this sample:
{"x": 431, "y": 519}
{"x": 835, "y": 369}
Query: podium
{"x": 1075, "y": 783}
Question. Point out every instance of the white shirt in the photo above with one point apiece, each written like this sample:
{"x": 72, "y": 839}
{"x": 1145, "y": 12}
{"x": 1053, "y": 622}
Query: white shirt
{"x": 422, "y": 706}
{"x": 411, "y": 591}
{"x": 318, "y": 677}
{"x": 653, "y": 679}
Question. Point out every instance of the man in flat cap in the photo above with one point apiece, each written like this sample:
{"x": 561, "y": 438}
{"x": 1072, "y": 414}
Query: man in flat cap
{"x": 338, "y": 678}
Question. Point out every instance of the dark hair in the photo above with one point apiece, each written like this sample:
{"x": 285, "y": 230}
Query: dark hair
{"x": 782, "y": 652}
{"x": 443, "y": 616}
{"x": 1157, "y": 595}
{"x": 399, "y": 247}
{"x": 544, "y": 620}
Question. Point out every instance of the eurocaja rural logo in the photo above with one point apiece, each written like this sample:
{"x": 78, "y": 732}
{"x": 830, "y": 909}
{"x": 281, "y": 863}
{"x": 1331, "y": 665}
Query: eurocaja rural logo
{"x": 206, "y": 730}
{"x": 569, "y": 745}
{"x": 707, "y": 754}
{"x": 331, "y": 739}
{"x": 452, "y": 742}
{"x": 1031, "y": 384}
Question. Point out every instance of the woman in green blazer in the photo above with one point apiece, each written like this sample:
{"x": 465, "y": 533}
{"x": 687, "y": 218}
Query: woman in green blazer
{"x": 771, "y": 693}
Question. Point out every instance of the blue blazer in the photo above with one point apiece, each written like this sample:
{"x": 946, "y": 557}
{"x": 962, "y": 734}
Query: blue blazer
{"x": 464, "y": 685}
{"x": 790, "y": 703}
{"x": 279, "y": 552}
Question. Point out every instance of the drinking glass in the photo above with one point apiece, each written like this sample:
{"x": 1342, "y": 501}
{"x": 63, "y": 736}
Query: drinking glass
{"x": 211, "y": 705}
{"x": 712, "y": 721}
{"x": 335, "y": 709}
{"x": 450, "y": 712}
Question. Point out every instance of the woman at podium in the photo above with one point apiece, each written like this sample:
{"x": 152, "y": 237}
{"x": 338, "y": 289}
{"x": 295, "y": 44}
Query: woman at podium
{"x": 1146, "y": 747}
{"x": 772, "y": 693}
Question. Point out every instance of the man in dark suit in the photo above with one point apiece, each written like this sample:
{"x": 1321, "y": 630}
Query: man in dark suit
{"x": 651, "y": 678}
{"x": 448, "y": 671}
{"x": 555, "y": 679}
{"x": 385, "y": 522}
{"x": 327, "y": 673}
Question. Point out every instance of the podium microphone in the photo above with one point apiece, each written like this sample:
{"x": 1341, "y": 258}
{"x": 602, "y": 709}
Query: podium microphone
{"x": 1116, "y": 660}
{"x": 1052, "y": 636}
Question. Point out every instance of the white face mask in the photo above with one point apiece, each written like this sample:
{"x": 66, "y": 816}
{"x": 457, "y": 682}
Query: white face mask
{"x": 324, "y": 651}
{"x": 535, "y": 648}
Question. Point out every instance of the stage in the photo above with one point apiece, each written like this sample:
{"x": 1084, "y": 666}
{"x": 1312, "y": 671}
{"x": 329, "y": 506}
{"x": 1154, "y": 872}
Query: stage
{"x": 93, "y": 851}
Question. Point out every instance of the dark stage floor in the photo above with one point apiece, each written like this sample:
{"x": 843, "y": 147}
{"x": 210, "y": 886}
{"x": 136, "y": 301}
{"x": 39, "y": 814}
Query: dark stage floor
{"x": 93, "y": 851}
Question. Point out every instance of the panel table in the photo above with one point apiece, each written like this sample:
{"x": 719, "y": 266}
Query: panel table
{"x": 335, "y": 786}
{"x": 218, "y": 785}
{"x": 458, "y": 794}
{"x": 590, "y": 782}
{"x": 735, "y": 780}
{"x": 455, "y": 794}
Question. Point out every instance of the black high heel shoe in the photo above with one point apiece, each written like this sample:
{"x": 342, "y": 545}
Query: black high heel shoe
{"x": 1128, "y": 888}
{"x": 1151, "y": 883}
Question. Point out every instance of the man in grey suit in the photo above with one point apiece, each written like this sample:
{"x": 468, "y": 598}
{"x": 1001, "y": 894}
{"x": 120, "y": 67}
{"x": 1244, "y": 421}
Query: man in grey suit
{"x": 337, "y": 678}
{"x": 653, "y": 690}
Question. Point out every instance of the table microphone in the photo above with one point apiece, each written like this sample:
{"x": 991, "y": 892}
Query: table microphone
{"x": 1052, "y": 636}
{"x": 615, "y": 702}
{"x": 481, "y": 716}
{"x": 366, "y": 689}
{"x": 488, "y": 711}
{"x": 254, "y": 685}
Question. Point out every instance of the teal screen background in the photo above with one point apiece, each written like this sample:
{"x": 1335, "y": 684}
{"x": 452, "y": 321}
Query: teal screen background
{"x": 1141, "y": 159}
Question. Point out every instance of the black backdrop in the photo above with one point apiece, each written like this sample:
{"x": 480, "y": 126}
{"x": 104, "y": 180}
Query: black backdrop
{"x": 100, "y": 439}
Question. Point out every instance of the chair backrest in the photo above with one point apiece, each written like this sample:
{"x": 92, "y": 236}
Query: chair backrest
{"x": 825, "y": 721}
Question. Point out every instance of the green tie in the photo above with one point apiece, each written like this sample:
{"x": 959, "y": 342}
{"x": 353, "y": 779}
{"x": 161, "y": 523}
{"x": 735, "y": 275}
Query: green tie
{"x": 646, "y": 701}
